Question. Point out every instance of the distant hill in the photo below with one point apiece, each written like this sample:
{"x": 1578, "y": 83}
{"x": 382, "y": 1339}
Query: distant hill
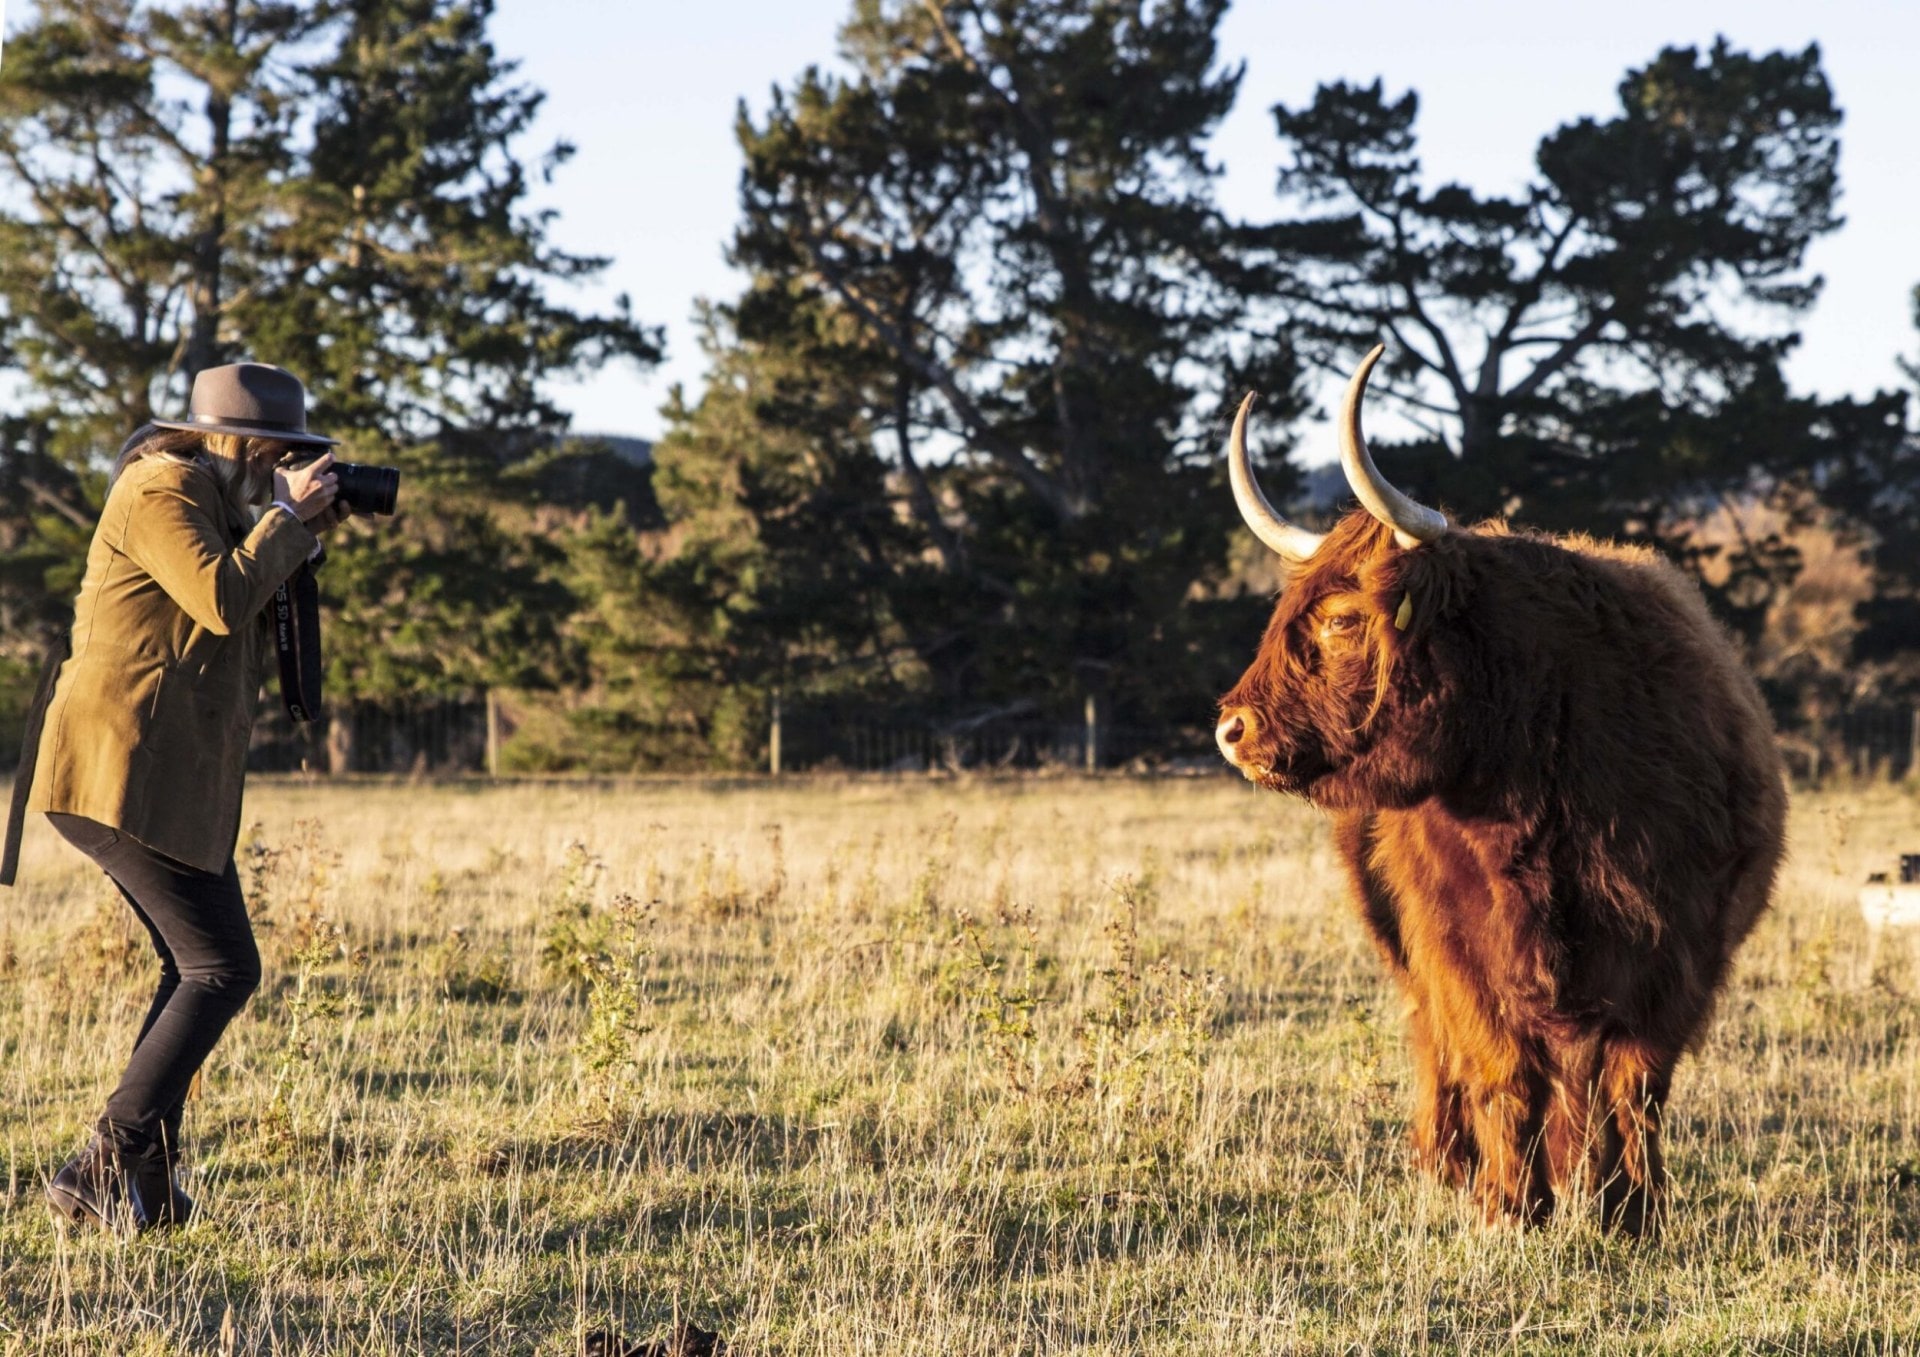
{"x": 632, "y": 451}
{"x": 598, "y": 470}
{"x": 1323, "y": 488}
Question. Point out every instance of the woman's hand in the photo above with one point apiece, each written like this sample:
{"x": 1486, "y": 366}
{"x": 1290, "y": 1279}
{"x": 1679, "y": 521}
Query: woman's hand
{"x": 308, "y": 489}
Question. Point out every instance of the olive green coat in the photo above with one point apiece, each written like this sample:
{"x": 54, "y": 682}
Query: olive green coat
{"x": 151, "y": 716}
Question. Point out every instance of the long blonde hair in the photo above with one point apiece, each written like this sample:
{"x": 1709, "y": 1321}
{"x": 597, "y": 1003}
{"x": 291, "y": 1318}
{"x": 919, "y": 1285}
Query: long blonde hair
{"x": 242, "y": 465}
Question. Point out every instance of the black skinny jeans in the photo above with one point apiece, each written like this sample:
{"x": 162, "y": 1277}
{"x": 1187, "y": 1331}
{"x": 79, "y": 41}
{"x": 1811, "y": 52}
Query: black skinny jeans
{"x": 208, "y": 968}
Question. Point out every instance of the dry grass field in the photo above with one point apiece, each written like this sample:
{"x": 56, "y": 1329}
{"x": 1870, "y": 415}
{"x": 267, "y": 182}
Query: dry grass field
{"x": 922, "y": 1066}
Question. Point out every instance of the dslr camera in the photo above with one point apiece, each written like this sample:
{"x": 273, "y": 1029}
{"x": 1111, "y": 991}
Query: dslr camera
{"x": 363, "y": 489}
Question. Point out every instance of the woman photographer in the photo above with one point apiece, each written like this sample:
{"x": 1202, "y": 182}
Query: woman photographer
{"x": 143, "y": 745}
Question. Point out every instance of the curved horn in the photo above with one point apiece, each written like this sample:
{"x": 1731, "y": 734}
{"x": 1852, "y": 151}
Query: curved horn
{"x": 1293, "y": 544}
{"x": 1412, "y": 522}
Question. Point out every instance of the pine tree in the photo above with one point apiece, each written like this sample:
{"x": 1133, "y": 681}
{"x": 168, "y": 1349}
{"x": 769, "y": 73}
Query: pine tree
{"x": 1879, "y": 488}
{"x": 413, "y": 282}
{"x": 1580, "y": 351}
{"x": 337, "y": 186}
{"x": 1603, "y": 351}
{"x": 1009, "y": 208}
{"x": 410, "y": 277}
{"x": 144, "y": 144}
{"x": 142, "y": 147}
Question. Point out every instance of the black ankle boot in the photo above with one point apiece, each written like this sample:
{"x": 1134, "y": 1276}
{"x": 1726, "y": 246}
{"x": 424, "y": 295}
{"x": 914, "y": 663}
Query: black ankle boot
{"x": 89, "y": 1187}
{"x": 170, "y": 1140}
{"x": 153, "y": 1184}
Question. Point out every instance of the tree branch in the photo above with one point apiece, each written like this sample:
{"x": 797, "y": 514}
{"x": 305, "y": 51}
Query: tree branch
{"x": 60, "y": 506}
{"x": 1569, "y": 349}
{"x": 1502, "y": 341}
{"x": 980, "y": 430}
{"x": 919, "y": 493}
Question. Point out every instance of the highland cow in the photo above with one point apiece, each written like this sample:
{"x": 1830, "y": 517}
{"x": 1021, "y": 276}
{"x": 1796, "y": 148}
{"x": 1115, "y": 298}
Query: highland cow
{"x": 1559, "y": 805}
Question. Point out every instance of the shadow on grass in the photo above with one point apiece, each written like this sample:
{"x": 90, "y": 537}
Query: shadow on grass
{"x": 690, "y": 1142}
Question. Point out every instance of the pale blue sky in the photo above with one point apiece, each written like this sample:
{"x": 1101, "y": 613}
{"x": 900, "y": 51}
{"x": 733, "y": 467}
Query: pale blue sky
{"x": 647, "y": 90}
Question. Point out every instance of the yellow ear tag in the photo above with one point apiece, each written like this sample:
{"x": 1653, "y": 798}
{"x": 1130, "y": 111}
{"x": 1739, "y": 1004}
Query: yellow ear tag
{"x": 1405, "y": 615}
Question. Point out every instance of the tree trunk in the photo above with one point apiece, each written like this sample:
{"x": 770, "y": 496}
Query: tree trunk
{"x": 919, "y": 493}
{"x": 209, "y": 247}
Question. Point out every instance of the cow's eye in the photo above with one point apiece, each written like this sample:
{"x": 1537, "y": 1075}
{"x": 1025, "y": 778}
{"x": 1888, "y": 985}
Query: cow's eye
{"x": 1339, "y": 623}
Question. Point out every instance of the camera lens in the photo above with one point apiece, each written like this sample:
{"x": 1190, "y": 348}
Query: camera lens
{"x": 367, "y": 489}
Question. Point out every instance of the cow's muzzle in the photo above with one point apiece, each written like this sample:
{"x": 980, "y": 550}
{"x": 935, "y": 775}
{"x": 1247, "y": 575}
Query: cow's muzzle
{"x": 1258, "y": 750}
{"x": 1235, "y": 735}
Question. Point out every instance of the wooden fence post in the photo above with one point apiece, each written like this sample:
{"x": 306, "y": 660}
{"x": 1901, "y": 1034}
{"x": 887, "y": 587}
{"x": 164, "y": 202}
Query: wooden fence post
{"x": 1093, "y": 734}
{"x": 339, "y": 741}
{"x": 1913, "y": 744}
{"x": 773, "y": 738}
{"x": 493, "y": 734}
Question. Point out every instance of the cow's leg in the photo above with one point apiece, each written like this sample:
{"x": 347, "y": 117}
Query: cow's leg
{"x": 1569, "y": 1137}
{"x": 1442, "y": 1139}
{"x": 1635, "y": 1078}
{"x": 1508, "y": 1105}
{"x": 1482, "y": 1097}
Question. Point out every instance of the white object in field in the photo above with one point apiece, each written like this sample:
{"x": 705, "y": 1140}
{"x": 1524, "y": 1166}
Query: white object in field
{"x": 1890, "y": 906}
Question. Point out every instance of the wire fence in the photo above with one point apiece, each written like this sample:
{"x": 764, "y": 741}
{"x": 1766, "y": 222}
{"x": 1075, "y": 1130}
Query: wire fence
{"x": 1864, "y": 742}
{"x": 428, "y": 739}
{"x": 452, "y": 738}
{"x": 813, "y": 743}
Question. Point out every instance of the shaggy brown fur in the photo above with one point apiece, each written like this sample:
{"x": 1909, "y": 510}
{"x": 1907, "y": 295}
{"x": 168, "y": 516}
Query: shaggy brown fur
{"x": 1560, "y": 807}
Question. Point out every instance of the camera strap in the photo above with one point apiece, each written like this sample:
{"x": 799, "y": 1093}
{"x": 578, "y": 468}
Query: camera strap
{"x": 296, "y": 636}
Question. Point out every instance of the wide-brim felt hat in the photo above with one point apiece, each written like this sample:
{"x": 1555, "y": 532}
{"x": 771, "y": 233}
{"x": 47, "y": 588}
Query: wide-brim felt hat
{"x": 253, "y": 400}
